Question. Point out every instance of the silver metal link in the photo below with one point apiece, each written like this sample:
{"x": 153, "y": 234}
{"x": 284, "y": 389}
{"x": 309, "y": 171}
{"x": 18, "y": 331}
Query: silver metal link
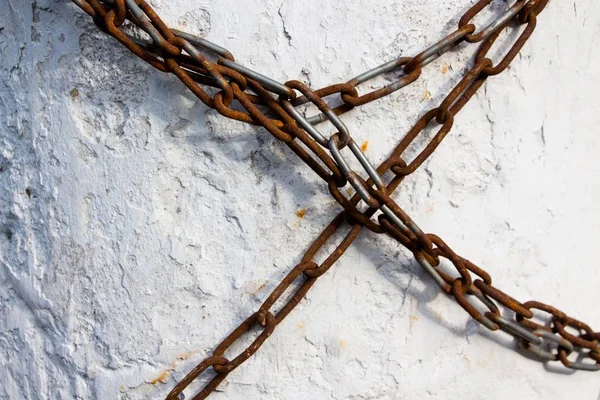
{"x": 201, "y": 42}
{"x": 196, "y": 55}
{"x": 350, "y": 175}
{"x": 437, "y": 50}
{"x": 314, "y": 132}
{"x": 377, "y": 71}
{"x": 475, "y": 291}
{"x": 584, "y": 367}
{"x": 268, "y": 83}
{"x": 307, "y": 126}
{"x": 485, "y": 320}
{"x": 493, "y": 320}
{"x": 431, "y": 271}
{"x": 544, "y": 337}
{"x": 422, "y": 245}
{"x": 360, "y": 156}
{"x": 146, "y": 25}
{"x": 515, "y": 329}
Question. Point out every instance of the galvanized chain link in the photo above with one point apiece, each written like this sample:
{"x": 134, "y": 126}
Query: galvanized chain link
{"x": 273, "y": 105}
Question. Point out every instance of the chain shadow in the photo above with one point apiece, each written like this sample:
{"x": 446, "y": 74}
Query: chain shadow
{"x": 401, "y": 273}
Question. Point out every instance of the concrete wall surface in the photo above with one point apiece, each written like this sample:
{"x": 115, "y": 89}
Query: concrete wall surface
{"x": 138, "y": 227}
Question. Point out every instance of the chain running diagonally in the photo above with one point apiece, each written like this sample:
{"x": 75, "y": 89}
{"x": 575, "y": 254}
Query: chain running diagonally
{"x": 272, "y": 105}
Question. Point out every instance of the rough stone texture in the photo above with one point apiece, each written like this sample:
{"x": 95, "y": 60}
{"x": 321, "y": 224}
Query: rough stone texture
{"x": 137, "y": 228}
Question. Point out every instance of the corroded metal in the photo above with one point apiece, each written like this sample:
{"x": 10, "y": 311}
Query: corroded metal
{"x": 272, "y": 105}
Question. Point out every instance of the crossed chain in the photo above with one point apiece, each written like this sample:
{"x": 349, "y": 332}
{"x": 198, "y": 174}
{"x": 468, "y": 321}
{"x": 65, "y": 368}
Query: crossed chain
{"x": 273, "y": 105}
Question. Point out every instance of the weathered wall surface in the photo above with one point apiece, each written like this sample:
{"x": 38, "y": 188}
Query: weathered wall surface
{"x": 137, "y": 228}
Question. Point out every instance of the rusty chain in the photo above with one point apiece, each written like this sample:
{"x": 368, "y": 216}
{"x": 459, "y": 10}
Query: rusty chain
{"x": 273, "y": 105}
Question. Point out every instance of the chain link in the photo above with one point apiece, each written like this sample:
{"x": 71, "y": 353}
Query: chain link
{"x": 273, "y": 105}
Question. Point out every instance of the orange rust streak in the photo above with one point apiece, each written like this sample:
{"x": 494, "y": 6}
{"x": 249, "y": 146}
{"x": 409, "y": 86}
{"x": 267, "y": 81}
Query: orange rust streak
{"x": 261, "y": 287}
{"x": 162, "y": 378}
{"x": 301, "y": 213}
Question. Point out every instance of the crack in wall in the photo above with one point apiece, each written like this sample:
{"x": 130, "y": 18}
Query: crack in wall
{"x": 286, "y": 32}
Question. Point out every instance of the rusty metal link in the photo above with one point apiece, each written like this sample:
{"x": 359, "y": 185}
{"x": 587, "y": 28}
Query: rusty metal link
{"x": 560, "y": 325}
{"x": 335, "y": 144}
{"x": 532, "y": 8}
{"x": 308, "y": 272}
{"x": 493, "y": 27}
{"x": 502, "y": 298}
{"x": 245, "y": 327}
{"x": 511, "y": 54}
{"x": 538, "y": 348}
{"x": 579, "y": 363}
{"x": 442, "y": 250}
{"x": 282, "y": 287}
{"x": 412, "y": 135}
{"x": 266, "y": 82}
{"x": 435, "y": 51}
{"x": 444, "y": 115}
{"x": 323, "y": 107}
{"x": 349, "y": 97}
{"x": 584, "y": 347}
{"x": 463, "y": 91}
{"x": 195, "y": 373}
{"x": 459, "y": 289}
{"x": 218, "y": 80}
{"x": 386, "y": 68}
{"x": 567, "y": 342}
{"x": 414, "y": 246}
{"x": 553, "y": 312}
{"x": 221, "y": 365}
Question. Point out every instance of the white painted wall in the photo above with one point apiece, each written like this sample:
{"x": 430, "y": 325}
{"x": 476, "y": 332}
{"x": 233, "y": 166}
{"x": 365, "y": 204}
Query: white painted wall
{"x": 153, "y": 226}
